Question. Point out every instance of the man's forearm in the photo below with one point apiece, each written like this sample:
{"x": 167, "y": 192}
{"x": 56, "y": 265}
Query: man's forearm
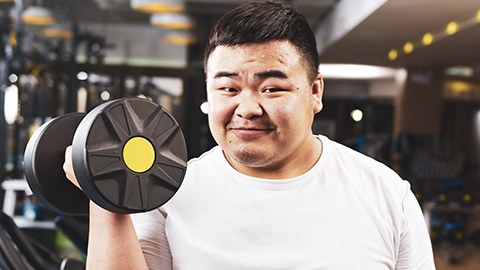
{"x": 112, "y": 242}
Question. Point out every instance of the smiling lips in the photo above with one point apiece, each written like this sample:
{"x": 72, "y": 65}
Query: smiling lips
{"x": 250, "y": 133}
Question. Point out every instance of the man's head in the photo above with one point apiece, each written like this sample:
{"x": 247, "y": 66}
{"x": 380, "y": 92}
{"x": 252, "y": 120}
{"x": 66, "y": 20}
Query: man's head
{"x": 261, "y": 21}
{"x": 264, "y": 90}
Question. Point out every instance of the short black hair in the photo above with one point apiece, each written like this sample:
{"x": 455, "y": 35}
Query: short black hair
{"x": 262, "y": 21}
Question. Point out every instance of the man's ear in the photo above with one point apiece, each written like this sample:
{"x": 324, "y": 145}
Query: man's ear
{"x": 317, "y": 93}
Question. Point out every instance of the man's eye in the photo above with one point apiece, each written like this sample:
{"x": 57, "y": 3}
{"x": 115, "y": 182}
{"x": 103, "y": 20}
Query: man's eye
{"x": 271, "y": 90}
{"x": 229, "y": 89}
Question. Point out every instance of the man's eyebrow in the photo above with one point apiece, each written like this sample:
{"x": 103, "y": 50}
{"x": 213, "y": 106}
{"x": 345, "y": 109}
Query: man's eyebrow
{"x": 260, "y": 75}
{"x": 224, "y": 74}
{"x": 271, "y": 74}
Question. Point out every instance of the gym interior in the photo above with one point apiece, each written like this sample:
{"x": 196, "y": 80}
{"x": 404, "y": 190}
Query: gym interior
{"x": 402, "y": 85}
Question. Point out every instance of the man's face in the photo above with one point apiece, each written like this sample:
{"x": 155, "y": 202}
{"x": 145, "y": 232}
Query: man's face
{"x": 261, "y": 104}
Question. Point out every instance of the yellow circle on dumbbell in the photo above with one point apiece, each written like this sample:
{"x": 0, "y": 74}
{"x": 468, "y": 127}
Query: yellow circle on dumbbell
{"x": 138, "y": 154}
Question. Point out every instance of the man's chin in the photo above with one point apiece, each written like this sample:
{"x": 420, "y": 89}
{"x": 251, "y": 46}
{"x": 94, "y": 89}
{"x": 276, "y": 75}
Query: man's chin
{"x": 251, "y": 158}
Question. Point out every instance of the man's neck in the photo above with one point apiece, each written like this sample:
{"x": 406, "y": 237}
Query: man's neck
{"x": 294, "y": 166}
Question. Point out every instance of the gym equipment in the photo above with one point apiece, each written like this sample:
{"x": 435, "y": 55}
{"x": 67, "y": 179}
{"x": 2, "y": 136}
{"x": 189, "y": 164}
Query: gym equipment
{"x": 441, "y": 199}
{"x": 466, "y": 199}
{"x": 129, "y": 155}
{"x": 475, "y": 237}
{"x": 76, "y": 229}
{"x": 43, "y": 166}
{"x": 453, "y": 193}
{"x": 435, "y": 234}
{"x": 19, "y": 251}
{"x": 454, "y": 232}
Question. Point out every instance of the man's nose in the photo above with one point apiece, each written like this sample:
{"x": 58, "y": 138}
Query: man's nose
{"x": 249, "y": 106}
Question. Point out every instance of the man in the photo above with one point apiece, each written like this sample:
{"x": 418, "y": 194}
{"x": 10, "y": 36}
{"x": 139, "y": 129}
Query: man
{"x": 271, "y": 195}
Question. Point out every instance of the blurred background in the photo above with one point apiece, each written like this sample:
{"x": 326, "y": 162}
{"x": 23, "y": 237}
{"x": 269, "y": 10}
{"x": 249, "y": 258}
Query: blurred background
{"x": 402, "y": 85}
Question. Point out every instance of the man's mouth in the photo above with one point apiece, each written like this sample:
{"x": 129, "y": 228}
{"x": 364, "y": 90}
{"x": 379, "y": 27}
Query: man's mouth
{"x": 248, "y": 133}
{"x": 250, "y": 128}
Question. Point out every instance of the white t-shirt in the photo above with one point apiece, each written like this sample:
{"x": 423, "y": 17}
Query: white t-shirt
{"x": 348, "y": 212}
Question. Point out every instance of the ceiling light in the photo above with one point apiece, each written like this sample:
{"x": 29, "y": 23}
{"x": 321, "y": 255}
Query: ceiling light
{"x": 105, "y": 95}
{"x": 57, "y": 31}
{"x": 204, "y": 107}
{"x": 427, "y": 39}
{"x": 458, "y": 87}
{"x": 452, "y": 28}
{"x": 357, "y": 115}
{"x": 13, "y": 78}
{"x": 158, "y": 6}
{"x": 464, "y": 71}
{"x": 408, "y": 47}
{"x": 361, "y": 72}
{"x": 179, "y": 38}
{"x": 172, "y": 21}
{"x": 392, "y": 54}
{"x": 82, "y": 76}
{"x": 37, "y": 16}
{"x": 11, "y": 104}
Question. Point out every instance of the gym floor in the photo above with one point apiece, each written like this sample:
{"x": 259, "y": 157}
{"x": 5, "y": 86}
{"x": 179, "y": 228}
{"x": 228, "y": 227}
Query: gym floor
{"x": 468, "y": 259}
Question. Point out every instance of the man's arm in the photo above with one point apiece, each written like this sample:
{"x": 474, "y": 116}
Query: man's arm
{"x": 415, "y": 251}
{"x": 112, "y": 240}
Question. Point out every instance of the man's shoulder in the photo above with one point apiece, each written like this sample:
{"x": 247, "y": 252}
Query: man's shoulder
{"x": 344, "y": 153}
{"x": 208, "y": 156}
{"x": 367, "y": 174}
{"x": 209, "y": 161}
{"x": 361, "y": 165}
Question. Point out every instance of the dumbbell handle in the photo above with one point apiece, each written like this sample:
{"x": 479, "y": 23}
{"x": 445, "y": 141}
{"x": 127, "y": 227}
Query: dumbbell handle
{"x": 68, "y": 167}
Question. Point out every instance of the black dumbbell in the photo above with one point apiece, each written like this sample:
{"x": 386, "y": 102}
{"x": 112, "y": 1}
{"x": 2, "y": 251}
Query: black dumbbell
{"x": 129, "y": 155}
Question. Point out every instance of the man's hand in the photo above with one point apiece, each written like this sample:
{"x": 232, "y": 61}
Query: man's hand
{"x": 68, "y": 167}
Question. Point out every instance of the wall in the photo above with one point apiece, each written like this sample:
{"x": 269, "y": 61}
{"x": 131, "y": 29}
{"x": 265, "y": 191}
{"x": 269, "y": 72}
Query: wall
{"x": 418, "y": 105}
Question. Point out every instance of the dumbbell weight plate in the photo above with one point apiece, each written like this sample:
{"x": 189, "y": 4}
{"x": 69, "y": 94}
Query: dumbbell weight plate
{"x": 43, "y": 166}
{"x": 129, "y": 155}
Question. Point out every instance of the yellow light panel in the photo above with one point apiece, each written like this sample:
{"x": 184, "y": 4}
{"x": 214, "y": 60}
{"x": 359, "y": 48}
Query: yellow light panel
{"x": 427, "y": 39}
{"x": 392, "y": 55}
{"x": 38, "y": 20}
{"x": 458, "y": 87}
{"x": 57, "y": 33}
{"x": 179, "y": 40}
{"x": 478, "y": 16}
{"x": 175, "y": 25}
{"x": 160, "y": 8}
{"x": 408, "y": 47}
{"x": 452, "y": 28}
